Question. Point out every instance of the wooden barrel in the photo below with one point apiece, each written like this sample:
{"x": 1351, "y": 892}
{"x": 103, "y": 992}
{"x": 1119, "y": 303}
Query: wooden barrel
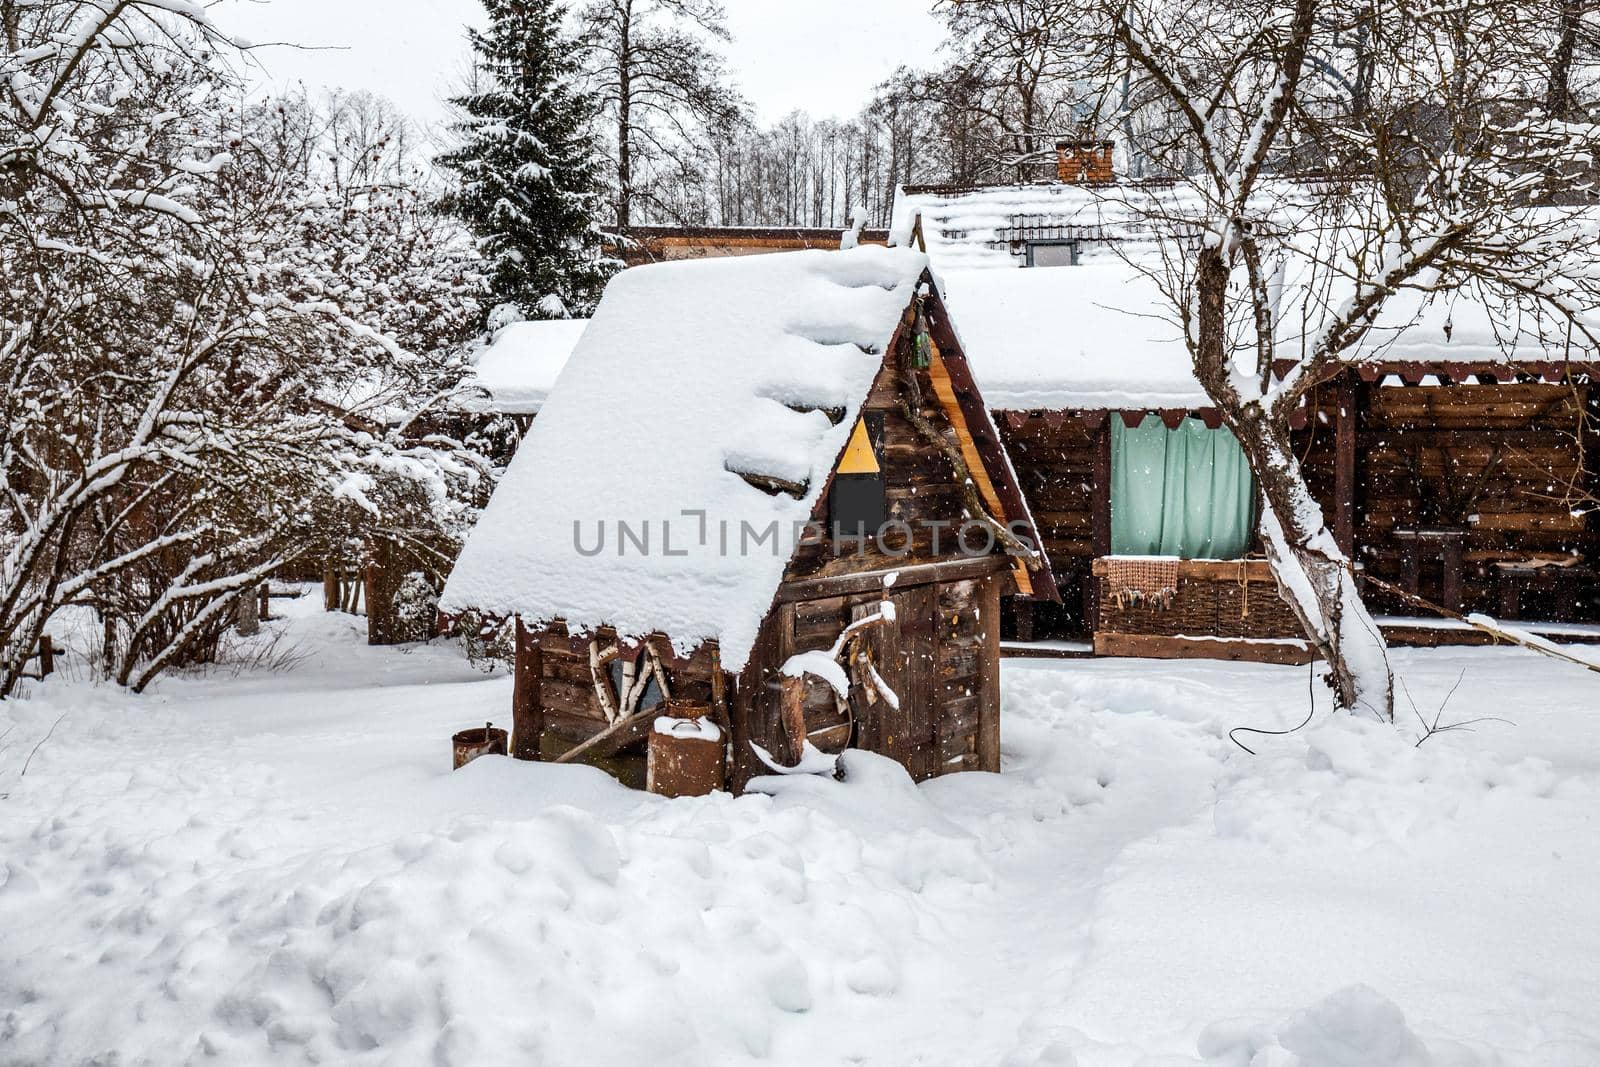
{"x": 485, "y": 740}
{"x": 684, "y": 756}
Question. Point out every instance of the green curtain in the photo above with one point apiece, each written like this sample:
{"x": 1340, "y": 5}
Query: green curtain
{"x": 1186, "y": 492}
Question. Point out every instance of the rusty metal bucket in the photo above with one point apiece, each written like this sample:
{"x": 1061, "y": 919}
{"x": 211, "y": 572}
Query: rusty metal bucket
{"x": 684, "y": 756}
{"x": 484, "y": 741}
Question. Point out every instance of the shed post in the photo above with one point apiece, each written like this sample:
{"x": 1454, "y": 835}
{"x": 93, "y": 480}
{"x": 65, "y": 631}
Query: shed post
{"x": 1344, "y": 479}
{"x": 1101, "y": 490}
{"x": 527, "y": 700}
{"x": 1022, "y": 611}
{"x": 989, "y": 678}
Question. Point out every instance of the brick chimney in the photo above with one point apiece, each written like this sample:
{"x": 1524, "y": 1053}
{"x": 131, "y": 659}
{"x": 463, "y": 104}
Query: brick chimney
{"x": 1084, "y": 162}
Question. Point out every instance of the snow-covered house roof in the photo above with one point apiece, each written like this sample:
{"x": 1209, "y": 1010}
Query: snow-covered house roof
{"x": 1094, "y": 336}
{"x": 1462, "y": 327}
{"x": 690, "y": 376}
{"x": 518, "y": 368}
{"x": 1104, "y": 336}
{"x": 966, "y": 227}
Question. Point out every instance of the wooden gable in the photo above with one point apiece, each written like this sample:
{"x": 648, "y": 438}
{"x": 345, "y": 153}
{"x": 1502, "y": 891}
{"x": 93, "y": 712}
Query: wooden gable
{"x": 928, "y": 432}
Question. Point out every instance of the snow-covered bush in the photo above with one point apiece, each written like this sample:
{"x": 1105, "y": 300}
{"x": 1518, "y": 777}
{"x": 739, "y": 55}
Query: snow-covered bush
{"x": 488, "y": 643}
{"x": 416, "y": 605}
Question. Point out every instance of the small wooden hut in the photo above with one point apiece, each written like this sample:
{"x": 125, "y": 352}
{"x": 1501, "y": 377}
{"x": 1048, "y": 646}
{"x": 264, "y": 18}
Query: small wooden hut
{"x": 769, "y": 488}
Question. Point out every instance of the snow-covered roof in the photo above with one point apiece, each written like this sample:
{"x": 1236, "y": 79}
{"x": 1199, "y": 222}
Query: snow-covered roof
{"x": 687, "y": 372}
{"x": 1070, "y": 337}
{"x": 990, "y": 226}
{"x": 519, "y": 366}
{"x": 1463, "y": 327}
{"x": 1104, "y": 336}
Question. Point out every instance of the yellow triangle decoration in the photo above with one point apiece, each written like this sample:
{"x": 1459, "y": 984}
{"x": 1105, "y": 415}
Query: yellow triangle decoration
{"x": 858, "y": 454}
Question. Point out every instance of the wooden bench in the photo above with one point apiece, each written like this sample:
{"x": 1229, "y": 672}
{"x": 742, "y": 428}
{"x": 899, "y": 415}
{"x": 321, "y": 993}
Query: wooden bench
{"x": 1563, "y": 577}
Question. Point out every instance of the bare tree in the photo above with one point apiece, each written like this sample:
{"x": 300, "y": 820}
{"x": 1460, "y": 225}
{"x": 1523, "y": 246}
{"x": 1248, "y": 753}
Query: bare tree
{"x": 660, "y": 82}
{"x": 187, "y": 326}
{"x": 1019, "y": 62}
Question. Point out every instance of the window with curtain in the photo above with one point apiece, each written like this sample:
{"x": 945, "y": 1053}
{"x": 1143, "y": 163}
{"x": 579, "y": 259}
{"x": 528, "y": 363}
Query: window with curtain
{"x": 1186, "y": 492}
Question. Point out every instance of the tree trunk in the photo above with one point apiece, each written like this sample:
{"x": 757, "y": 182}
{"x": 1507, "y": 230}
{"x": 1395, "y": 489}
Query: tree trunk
{"x": 1313, "y": 575}
{"x": 382, "y": 574}
{"x": 625, "y": 124}
{"x": 1558, "y": 93}
{"x": 1315, "y": 579}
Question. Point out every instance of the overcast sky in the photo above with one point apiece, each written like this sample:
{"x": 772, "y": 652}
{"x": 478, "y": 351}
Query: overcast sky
{"x": 820, "y": 55}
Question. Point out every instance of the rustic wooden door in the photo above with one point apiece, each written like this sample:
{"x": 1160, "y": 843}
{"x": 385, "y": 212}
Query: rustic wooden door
{"x": 904, "y": 655}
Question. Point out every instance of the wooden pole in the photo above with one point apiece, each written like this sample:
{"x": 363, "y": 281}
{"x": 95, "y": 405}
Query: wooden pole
{"x": 330, "y": 588}
{"x": 527, "y": 698}
{"x": 246, "y": 615}
{"x": 1022, "y": 611}
{"x": 266, "y": 600}
{"x": 989, "y": 679}
{"x": 1344, "y": 478}
{"x": 1101, "y": 492}
{"x": 792, "y": 715}
{"x": 47, "y": 656}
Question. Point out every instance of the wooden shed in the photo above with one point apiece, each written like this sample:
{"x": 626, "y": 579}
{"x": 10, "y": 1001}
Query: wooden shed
{"x": 767, "y": 489}
{"x": 1448, "y": 452}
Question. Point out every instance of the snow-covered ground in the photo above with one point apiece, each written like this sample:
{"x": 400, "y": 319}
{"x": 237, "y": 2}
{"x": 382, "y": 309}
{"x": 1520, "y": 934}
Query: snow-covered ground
{"x": 278, "y": 867}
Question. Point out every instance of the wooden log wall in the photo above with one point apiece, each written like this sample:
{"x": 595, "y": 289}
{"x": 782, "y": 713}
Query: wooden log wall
{"x": 1055, "y": 454}
{"x": 1500, "y": 461}
{"x": 940, "y": 658}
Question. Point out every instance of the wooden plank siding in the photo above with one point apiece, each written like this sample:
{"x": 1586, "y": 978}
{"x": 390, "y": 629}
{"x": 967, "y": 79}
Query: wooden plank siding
{"x": 1056, "y": 468}
{"x": 1500, "y": 460}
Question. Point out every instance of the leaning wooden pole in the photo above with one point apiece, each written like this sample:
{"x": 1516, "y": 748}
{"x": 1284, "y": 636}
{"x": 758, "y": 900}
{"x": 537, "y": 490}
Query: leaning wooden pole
{"x": 1484, "y": 624}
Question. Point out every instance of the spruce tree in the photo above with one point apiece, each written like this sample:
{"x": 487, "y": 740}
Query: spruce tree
{"x": 529, "y": 167}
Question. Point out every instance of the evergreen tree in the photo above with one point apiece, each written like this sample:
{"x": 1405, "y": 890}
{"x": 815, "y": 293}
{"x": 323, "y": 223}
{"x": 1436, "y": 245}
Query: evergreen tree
{"x": 528, "y": 166}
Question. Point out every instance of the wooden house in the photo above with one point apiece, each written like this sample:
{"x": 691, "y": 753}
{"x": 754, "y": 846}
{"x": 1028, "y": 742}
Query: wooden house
{"x": 667, "y": 244}
{"x": 767, "y": 489}
{"x": 1448, "y": 453}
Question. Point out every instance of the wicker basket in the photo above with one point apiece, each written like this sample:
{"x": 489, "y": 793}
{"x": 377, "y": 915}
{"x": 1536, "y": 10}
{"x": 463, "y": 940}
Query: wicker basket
{"x": 1214, "y": 598}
